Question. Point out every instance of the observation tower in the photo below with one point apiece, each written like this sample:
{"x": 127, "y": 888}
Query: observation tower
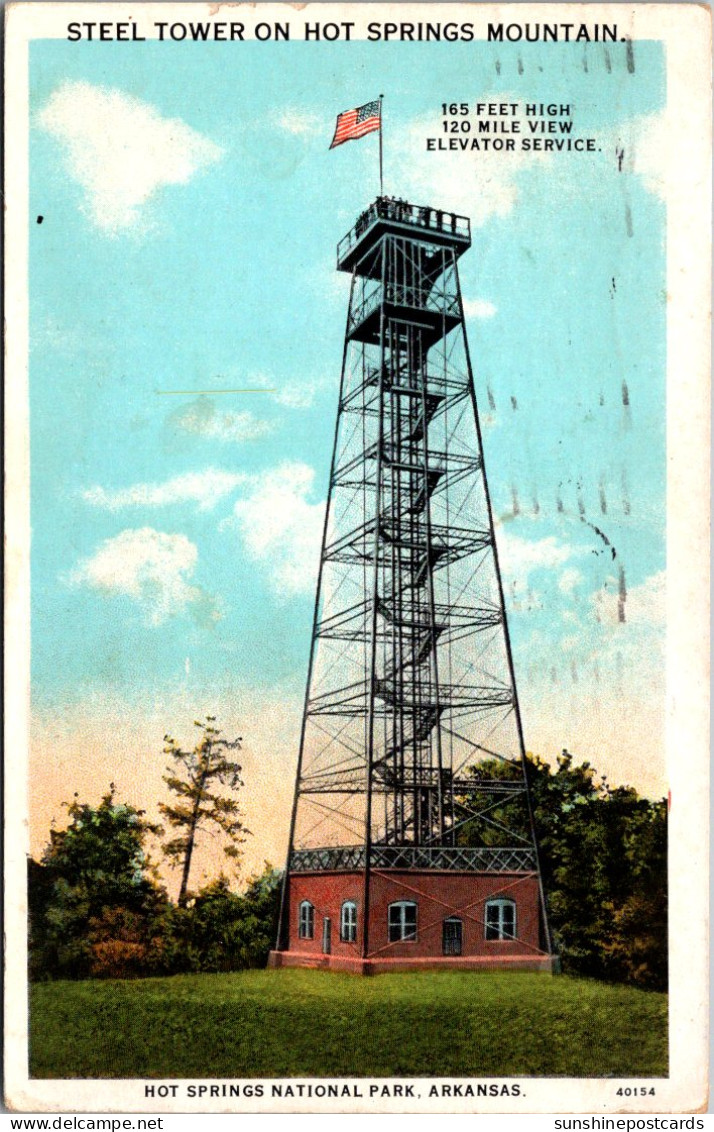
{"x": 411, "y": 840}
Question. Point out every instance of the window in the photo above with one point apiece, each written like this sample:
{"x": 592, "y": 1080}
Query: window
{"x": 306, "y": 928}
{"x": 402, "y": 920}
{"x": 500, "y": 919}
{"x": 348, "y": 922}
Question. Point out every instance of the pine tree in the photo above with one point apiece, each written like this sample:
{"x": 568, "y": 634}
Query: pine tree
{"x": 194, "y": 778}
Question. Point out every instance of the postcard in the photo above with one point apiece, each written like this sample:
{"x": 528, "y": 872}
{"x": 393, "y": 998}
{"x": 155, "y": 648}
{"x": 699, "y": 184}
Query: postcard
{"x": 357, "y": 464}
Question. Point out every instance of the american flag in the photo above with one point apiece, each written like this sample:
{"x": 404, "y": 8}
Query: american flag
{"x": 356, "y": 123}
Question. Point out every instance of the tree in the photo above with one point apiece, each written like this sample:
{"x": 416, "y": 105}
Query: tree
{"x": 193, "y": 779}
{"x": 603, "y": 857}
{"x": 261, "y": 905}
{"x": 91, "y": 872}
{"x": 218, "y": 930}
{"x": 493, "y": 823}
{"x": 636, "y": 947}
{"x": 103, "y": 849}
{"x": 221, "y": 930}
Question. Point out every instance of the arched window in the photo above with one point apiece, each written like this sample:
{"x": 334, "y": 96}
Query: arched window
{"x": 402, "y": 920}
{"x": 500, "y": 919}
{"x": 306, "y": 923}
{"x": 348, "y": 922}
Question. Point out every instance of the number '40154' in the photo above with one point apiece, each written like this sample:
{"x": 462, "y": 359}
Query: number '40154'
{"x": 636, "y": 1091}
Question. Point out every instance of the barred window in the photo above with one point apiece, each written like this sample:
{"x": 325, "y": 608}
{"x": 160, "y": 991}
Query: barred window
{"x": 348, "y": 922}
{"x": 402, "y": 920}
{"x": 500, "y": 919}
{"x": 306, "y": 923}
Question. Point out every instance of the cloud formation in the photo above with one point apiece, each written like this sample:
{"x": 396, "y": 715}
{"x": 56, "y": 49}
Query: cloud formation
{"x": 205, "y": 488}
{"x": 300, "y": 123}
{"x": 479, "y": 184}
{"x": 644, "y": 604}
{"x": 300, "y": 393}
{"x": 486, "y": 183}
{"x": 479, "y": 308}
{"x": 569, "y": 580}
{"x": 281, "y": 528}
{"x": 655, "y": 147}
{"x": 520, "y": 557}
{"x": 202, "y": 418}
{"x": 121, "y": 150}
{"x": 149, "y": 566}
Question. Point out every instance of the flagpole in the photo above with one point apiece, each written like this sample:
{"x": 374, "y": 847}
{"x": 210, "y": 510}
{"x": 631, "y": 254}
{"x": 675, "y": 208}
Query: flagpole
{"x": 381, "y": 162}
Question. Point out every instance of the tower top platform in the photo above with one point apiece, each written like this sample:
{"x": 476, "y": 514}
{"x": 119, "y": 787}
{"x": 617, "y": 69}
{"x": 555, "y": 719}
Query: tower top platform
{"x": 388, "y": 215}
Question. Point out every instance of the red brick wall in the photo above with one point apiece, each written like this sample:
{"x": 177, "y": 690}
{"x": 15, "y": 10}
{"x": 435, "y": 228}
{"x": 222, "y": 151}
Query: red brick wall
{"x": 326, "y": 891}
{"x": 437, "y": 895}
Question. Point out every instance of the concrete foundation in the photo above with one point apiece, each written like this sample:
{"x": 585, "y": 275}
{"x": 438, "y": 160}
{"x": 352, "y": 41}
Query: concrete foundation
{"x": 547, "y": 964}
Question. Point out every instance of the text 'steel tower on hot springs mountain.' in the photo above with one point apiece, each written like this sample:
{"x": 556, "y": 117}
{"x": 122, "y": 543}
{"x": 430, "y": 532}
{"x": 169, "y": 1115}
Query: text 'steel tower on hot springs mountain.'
{"x": 412, "y": 839}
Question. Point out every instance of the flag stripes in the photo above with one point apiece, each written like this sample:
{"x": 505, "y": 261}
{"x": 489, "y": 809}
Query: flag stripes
{"x": 353, "y": 124}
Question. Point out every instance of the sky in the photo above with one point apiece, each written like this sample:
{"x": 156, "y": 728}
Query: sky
{"x": 190, "y": 212}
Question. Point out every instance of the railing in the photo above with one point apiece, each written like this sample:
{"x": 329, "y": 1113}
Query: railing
{"x": 401, "y": 295}
{"x": 418, "y": 216}
{"x": 436, "y": 384}
{"x": 505, "y": 859}
{"x": 446, "y": 544}
{"x": 351, "y": 622}
{"x": 463, "y": 698}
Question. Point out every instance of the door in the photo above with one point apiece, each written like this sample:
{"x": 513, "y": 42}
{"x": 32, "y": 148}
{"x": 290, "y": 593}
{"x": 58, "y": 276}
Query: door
{"x": 452, "y": 936}
{"x": 327, "y": 935}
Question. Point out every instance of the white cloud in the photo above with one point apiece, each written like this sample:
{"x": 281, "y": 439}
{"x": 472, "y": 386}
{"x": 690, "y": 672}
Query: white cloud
{"x": 203, "y": 419}
{"x": 298, "y": 394}
{"x": 519, "y": 557}
{"x": 646, "y": 603}
{"x": 300, "y": 122}
{"x": 643, "y": 606}
{"x": 121, "y": 150}
{"x": 149, "y": 566}
{"x": 204, "y": 488}
{"x": 650, "y": 142}
{"x": 282, "y": 528}
{"x": 656, "y": 148}
{"x": 569, "y": 579}
{"x": 481, "y": 183}
{"x": 479, "y": 308}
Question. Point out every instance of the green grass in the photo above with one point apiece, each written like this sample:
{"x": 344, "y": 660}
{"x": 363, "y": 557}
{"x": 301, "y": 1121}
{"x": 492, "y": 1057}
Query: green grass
{"x": 323, "y": 1024}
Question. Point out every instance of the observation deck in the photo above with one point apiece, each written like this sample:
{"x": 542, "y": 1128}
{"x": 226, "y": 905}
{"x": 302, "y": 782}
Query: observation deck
{"x": 388, "y": 216}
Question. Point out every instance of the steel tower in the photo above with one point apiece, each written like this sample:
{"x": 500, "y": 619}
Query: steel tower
{"x": 412, "y": 836}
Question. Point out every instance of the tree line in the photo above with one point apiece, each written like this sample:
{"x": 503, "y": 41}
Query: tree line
{"x": 97, "y": 906}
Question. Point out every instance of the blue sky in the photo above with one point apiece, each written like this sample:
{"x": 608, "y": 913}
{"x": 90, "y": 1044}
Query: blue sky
{"x": 191, "y": 209}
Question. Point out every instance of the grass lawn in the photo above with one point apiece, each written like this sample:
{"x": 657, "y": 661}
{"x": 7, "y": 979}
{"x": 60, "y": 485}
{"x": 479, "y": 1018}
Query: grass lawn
{"x": 323, "y": 1024}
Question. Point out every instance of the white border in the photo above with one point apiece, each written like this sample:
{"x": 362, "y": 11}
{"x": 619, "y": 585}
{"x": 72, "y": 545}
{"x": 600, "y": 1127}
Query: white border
{"x": 686, "y": 30}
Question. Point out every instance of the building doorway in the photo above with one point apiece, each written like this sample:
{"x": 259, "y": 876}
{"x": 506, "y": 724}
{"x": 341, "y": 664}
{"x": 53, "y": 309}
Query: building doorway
{"x": 452, "y": 936}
